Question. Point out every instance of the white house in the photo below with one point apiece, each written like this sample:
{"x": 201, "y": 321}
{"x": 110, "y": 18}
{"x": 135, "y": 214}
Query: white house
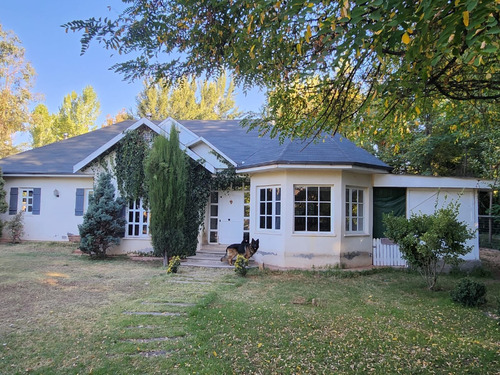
{"x": 310, "y": 203}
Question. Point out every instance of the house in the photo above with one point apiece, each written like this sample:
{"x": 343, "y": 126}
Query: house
{"x": 310, "y": 203}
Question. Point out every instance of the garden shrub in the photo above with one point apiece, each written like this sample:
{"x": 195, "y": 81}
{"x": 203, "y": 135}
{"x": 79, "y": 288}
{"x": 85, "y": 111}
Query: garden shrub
{"x": 241, "y": 265}
{"x": 429, "y": 242}
{"x": 469, "y": 293}
{"x": 174, "y": 264}
{"x": 16, "y": 228}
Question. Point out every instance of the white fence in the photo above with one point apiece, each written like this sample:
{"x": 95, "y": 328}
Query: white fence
{"x": 386, "y": 253}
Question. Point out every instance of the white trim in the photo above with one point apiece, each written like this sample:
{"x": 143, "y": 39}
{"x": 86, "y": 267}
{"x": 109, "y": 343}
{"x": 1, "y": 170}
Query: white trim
{"x": 309, "y": 167}
{"x": 49, "y": 175}
{"x": 415, "y": 181}
{"x": 215, "y": 149}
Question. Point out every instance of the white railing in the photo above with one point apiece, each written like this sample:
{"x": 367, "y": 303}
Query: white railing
{"x": 386, "y": 253}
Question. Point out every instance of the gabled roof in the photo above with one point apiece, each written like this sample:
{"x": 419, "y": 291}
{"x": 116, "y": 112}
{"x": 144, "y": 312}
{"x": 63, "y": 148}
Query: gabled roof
{"x": 244, "y": 149}
{"x": 248, "y": 150}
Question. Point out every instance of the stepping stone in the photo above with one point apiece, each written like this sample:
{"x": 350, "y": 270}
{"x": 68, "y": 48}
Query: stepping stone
{"x": 153, "y": 313}
{"x": 180, "y": 304}
{"x": 153, "y": 339}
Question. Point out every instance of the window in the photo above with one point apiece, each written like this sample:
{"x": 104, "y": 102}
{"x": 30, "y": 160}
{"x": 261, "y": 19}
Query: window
{"x": 354, "y": 210}
{"x": 27, "y": 200}
{"x": 313, "y": 209}
{"x": 270, "y": 208}
{"x": 137, "y": 219}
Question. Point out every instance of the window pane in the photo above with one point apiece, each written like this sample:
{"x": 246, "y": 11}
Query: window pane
{"x": 278, "y": 222}
{"x": 300, "y": 194}
{"x": 213, "y": 223}
{"x": 130, "y": 230}
{"x": 262, "y": 222}
{"x": 137, "y": 218}
{"x": 354, "y": 195}
{"x": 214, "y": 197}
{"x": 354, "y": 211}
{"x": 325, "y": 194}
{"x": 300, "y": 209}
{"x": 269, "y": 208}
{"x": 324, "y": 209}
{"x": 246, "y": 224}
{"x": 312, "y": 208}
{"x": 213, "y": 236}
{"x": 30, "y": 193}
{"x": 300, "y": 224}
{"x": 312, "y": 194}
{"x": 246, "y": 211}
{"x": 137, "y": 204}
{"x": 360, "y": 196}
{"x": 278, "y": 194}
{"x": 324, "y": 224}
{"x": 312, "y": 224}
{"x": 214, "y": 210}
{"x": 131, "y": 205}
{"x": 269, "y": 194}
{"x": 247, "y": 197}
{"x": 360, "y": 224}
{"x": 347, "y": 226}
{"x": 269, "y": 222}
{"x": 145, "y": 217}
{"x": 130, "y": 216}
{"x": 354, "y": 225}
{"x": 262, "y": 195}
{"x": 144, "y": 229}
{"x": 136, "y": 230}
{"x": 278, "y": 208}
{"x": 30, "y": 208}
{"x": 262, "y": 209}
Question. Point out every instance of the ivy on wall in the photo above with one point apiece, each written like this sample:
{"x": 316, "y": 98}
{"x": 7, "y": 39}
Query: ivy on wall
{"x": 129, "y": 166}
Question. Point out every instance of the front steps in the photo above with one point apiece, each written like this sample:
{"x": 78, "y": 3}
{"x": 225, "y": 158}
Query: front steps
{"x": 209, "y": 257}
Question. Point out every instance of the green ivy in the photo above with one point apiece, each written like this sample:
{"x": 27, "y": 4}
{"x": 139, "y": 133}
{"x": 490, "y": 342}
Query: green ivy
{"x": 129, "y": 166}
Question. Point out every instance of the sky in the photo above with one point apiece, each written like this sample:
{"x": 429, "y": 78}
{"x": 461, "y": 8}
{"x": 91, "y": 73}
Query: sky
{"x": 55, "y": 54}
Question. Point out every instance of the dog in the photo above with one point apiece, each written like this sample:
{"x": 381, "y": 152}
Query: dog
{"x": 245, "y": 248}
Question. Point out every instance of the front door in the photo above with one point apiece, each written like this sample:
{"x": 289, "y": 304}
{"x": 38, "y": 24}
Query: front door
{"x": 231, "y": 211}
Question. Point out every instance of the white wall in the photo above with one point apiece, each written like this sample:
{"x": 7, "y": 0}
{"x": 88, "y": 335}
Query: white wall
{"x": 425, "y": 201}
{"x": 57, "y": 214}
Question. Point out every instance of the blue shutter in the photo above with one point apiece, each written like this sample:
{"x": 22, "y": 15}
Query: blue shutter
{"x": 13, "y": 201}
{"x": 80, "y": 198}
{"x": 37, "y": 192}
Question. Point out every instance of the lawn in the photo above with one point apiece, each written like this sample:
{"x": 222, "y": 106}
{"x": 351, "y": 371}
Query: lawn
{"x": 61, "y": 313}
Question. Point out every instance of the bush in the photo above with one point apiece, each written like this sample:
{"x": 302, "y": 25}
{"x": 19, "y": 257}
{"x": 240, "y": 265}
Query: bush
{"x": 103, "y": 223}
{"x": 469, "y": 293}
{"x": 429, "y": 242}
{"x": 174, "y": 264}
{"x": 16, "y": 228}
{"x": 241, "y": 265}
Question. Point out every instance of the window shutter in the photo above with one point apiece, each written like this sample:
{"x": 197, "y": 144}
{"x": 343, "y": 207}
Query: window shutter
{"x": 80, "y": 197}
{"x": 37, "y": 192}
{"x": 13, "y": 201}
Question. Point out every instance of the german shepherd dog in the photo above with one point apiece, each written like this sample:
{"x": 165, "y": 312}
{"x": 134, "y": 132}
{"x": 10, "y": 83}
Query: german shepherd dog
{"x": 244, "y": 248}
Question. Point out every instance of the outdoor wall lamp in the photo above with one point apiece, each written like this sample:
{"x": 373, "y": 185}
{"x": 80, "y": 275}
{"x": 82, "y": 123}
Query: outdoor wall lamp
{"x": 56, "y": 193}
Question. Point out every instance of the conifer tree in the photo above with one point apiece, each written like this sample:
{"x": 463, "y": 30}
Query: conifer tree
{"x": 103, "y": 223}
{"x": 166, "y": 176}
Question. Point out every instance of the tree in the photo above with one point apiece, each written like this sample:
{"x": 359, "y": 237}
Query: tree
{"x": 16, "y": 82}
{"x": 78, "y": 113}
{"x": 166, "y": 180}
{"x": 122, "y": 115}
{"x": 103, "y": 223}
{"x": 42, "y": 128}
{"x": 188, "y": 99}
{"x": 400, "y": 51}
{"x": 429, "y": 242}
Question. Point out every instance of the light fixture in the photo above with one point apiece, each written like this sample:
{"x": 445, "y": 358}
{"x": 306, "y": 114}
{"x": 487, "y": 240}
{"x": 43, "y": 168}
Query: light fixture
{"x": 56, "y": 193}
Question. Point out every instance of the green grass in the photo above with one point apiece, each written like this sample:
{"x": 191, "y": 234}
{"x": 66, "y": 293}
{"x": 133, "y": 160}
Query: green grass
{"x": 61, "y": 313}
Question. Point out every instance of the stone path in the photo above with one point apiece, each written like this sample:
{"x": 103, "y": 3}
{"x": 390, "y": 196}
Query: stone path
{"x": 157, "y": 327}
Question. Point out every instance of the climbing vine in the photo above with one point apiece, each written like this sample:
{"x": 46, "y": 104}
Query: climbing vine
{"x": 129, "y": 166}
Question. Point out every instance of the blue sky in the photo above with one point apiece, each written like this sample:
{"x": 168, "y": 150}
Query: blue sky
{"x": 55, "y": 55}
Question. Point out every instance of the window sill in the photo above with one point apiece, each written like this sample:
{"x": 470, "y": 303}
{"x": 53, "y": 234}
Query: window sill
{"x": 354, "y": 234}
{"x": 314, "y": 234}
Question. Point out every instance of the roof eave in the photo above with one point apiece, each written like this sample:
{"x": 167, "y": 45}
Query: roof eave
{"x": 360, "y": 167}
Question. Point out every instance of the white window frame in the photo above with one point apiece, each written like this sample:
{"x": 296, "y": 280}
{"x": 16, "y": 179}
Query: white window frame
{"x": 269, "y": 208}
{"x": 137, "y": 227}
{"x": 24, "y": 207}
{"x": 354, "y": 214}
{"x": 306, "y": 215}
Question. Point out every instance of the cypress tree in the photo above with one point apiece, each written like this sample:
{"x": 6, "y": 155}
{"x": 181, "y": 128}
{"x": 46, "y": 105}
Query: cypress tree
{"x": 166, "y": 177}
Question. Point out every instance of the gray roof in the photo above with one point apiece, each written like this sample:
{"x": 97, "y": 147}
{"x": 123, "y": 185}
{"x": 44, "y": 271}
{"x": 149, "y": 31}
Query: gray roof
{"x": 247, "y": 149}
{"x": 244, "y": 147}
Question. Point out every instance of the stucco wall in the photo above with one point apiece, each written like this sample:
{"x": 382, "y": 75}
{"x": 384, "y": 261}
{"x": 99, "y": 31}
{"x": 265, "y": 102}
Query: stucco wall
{"x": 285, "y": 248}
{"x": 425, "y": 201}
{"x": 57, "y": 214}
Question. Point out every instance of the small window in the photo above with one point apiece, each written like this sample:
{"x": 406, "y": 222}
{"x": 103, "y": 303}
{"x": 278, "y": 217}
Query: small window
{"x": 270, "y": 208}
{"x": 354, "y": 206}
{"x": 27, "y": 200}
{"x": 137, "y": 219}
{"x": 313, "y": 209}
